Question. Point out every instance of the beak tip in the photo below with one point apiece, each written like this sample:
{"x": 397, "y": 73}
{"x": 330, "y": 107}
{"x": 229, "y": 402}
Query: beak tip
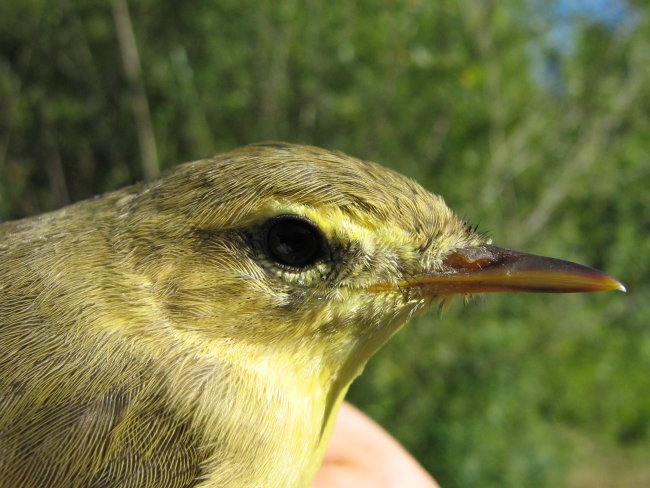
{"x": 621, "y": 287}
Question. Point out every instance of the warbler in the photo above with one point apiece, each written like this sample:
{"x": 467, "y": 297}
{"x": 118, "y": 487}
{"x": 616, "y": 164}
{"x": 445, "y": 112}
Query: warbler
{"x": 202, "y": 329}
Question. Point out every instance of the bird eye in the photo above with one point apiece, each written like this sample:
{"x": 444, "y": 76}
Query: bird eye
{"x": 294, "y": 241}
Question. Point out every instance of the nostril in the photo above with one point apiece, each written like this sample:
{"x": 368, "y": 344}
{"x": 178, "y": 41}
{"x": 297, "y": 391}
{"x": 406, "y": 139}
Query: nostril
{"x": 471, "y": 258}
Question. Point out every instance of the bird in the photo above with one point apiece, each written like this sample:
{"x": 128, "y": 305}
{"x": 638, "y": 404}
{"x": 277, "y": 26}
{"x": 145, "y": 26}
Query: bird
{"x": 202, "y": 329}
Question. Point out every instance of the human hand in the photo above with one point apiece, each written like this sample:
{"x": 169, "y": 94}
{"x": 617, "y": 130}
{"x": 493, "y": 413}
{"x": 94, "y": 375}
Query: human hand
{"x": 363, "y": 455}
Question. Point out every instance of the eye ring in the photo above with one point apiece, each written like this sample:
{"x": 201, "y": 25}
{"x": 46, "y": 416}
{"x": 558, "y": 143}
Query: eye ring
{"x": 293, "y": 242}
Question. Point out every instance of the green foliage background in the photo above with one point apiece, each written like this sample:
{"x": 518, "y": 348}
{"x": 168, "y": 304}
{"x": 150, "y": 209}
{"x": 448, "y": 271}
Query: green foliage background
{"x": 509, "y": 391}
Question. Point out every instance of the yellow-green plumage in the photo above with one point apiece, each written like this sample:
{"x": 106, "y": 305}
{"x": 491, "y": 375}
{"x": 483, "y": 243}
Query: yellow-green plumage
{"x": 147, "y": 339}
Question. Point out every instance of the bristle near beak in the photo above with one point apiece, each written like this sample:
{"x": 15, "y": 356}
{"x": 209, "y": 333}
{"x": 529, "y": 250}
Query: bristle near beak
{"x": 491, "y": 269}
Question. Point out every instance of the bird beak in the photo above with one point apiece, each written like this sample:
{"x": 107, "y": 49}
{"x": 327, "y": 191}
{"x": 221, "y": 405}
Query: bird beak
{"x": 489, "y": 269}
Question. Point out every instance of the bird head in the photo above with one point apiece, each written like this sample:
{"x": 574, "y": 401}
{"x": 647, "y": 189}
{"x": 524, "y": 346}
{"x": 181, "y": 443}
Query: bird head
{"x": 209, "y": 323}
{"x": 280, "y": 247}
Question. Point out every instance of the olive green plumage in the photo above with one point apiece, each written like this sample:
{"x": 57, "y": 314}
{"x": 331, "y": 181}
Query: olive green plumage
{"x": 148, "y": 340}
{"x": 202, "y": 330}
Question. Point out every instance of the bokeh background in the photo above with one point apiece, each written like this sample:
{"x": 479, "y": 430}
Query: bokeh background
{"x": 531, "y": 117}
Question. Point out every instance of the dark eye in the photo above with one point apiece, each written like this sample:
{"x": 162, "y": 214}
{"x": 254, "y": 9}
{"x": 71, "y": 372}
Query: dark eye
{"x": 293, "y": 241}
